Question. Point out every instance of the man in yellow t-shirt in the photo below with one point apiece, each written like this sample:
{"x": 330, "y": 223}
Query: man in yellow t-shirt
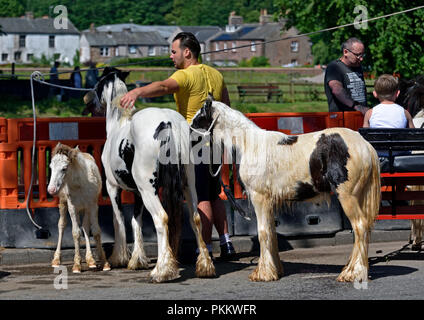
{"x": 190, "y": 85}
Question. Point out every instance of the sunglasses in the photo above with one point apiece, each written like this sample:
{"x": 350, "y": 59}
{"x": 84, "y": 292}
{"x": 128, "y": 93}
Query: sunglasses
{"x": 357, "y": 55}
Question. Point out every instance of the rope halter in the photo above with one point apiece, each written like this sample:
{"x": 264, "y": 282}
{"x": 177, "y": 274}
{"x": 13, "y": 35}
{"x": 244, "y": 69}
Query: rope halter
{"x": 205, "y": 134}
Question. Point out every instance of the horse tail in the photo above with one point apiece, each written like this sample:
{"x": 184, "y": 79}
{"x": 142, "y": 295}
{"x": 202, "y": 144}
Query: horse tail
{"x": 372, "y": 190}
{"x": 171, "y": 182}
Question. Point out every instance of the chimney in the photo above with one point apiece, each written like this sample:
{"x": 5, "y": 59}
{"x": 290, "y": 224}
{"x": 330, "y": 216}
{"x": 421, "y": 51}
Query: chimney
{"x": 45, "y": 17}
{"x": 234, "y": 20}
{"x": 29, "y": 15}
{"x": 92, "y": 28}
{"x": 264, "y": 18}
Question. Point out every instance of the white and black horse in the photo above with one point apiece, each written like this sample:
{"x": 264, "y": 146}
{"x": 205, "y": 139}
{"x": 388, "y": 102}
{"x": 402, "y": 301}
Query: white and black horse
{"x": 277, "y": 169}
{"x": 144, "y": 153}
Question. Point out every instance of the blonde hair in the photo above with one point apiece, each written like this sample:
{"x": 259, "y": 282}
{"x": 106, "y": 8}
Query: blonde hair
{"x": 386, "y": 87}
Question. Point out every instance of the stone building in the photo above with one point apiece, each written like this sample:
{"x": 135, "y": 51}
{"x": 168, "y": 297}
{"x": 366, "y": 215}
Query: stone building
{"x": 243, "y": 41}
{"x": 102, "y": 46}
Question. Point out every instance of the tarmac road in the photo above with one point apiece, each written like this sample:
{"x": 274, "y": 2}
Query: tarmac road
{"x": 396, "y": 273}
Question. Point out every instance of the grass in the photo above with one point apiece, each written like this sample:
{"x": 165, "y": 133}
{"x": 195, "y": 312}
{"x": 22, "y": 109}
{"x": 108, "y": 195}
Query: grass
{"x": 14, "y": 107}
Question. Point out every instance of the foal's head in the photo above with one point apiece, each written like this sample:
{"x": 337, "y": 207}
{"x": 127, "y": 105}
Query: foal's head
{"x": 62, "y": 157}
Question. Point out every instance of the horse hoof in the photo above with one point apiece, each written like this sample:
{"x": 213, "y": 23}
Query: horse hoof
{"x": 136, "y": 264}
{"x": 106, "y": 267}
{"x": 257, "y": 276}
{"x": 76, "y": 270}
{"x": 165, "y": 278}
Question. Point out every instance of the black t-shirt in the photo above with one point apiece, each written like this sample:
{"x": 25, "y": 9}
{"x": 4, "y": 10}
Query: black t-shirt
{"x": 352, "y": 80}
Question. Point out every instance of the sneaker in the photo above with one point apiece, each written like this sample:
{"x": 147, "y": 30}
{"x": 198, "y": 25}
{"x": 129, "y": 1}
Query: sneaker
{"x": 227, "y": 251}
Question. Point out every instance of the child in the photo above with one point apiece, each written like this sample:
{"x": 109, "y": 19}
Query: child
{"x": 387, "y": 114}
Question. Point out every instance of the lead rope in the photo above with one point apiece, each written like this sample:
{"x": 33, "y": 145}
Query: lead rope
{"x": 41, "y": 233}
{"x": 205, "y": 134}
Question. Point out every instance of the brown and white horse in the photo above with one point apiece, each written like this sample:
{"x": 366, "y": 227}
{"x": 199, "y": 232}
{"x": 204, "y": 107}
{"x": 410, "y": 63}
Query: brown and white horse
{"x": 276, "y": 168}
{"x": 76, "y": 179}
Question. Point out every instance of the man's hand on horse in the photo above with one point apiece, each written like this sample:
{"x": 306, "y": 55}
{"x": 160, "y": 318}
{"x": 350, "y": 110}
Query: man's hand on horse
{"x": 129, "y": 99}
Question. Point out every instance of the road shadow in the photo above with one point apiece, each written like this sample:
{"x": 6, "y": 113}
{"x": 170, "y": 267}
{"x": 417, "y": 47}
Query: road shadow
{"x": 4, "y": 274}
{"x": 221, "y": 267}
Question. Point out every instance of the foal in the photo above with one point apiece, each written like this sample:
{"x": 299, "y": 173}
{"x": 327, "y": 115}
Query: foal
{"x": 76, "y": 179}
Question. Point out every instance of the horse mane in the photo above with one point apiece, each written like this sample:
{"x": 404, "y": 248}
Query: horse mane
{"x": 69, "y": 152}
{"x": 125, "y": 113}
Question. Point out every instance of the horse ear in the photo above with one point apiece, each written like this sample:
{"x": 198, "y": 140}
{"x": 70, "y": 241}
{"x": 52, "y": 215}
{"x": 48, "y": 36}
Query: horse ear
{"x": 73, "y": 154}
{"x": 124, "y": 75}
{"x": 89, "y": 97}
{"x": 208, "y": 101}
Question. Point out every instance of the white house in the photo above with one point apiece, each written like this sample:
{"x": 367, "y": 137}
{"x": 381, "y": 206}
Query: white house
{"x": 28, "y": 38}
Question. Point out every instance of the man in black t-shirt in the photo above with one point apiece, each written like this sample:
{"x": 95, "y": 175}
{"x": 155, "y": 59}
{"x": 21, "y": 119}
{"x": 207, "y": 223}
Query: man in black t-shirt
{"x": 344, "y": 79}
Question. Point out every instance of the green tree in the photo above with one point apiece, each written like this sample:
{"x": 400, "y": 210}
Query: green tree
{"x": 11, "y": 8}
{"x": 392, "y": 44}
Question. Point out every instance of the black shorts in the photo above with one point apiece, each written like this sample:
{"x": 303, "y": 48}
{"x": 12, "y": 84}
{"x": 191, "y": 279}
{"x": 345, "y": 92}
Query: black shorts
{"x": 208, "y": 188}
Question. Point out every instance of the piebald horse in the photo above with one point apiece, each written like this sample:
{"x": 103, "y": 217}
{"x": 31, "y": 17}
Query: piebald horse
{"x": 276, "y": 168}
{"x": 144, "y": 153}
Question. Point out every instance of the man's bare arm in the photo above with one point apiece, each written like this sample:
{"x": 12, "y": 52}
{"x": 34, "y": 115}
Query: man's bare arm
{"x": 155, "y": 89}
{"x": 340, "y": 93}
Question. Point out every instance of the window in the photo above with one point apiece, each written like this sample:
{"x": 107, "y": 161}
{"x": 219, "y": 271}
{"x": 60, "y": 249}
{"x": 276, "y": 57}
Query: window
{"x": 234, "y": 45}
{"x": 294, "y": 46}
{"x": 51, "y": 41}
{"x": 253, "y": 46}
{"x": 104, "y": 51}
{"x": 116, "y": 52}
{"x": 17, "y": 56}
{"x": 151, "y": 51}
{"x": 4, "y": 56}
{"x": 22, "y": 41}
{"x": 133, "y": 49}
{"x": 225, "y": 46}
{"x": 30, "y": 57}
{"x": 216, "y": 46}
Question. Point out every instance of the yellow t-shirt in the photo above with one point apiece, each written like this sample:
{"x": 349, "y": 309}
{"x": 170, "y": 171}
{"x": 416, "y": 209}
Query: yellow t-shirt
{"x": 195, "y": 83}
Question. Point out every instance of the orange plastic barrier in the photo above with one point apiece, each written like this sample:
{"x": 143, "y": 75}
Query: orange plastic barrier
{"x": 16, "y": 137}
{"x": 89, "y": 134}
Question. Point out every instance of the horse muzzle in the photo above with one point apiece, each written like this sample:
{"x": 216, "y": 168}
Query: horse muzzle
{"x": 52, "y": 190}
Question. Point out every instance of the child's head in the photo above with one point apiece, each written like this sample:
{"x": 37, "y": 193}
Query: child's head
{"x": 386, "y": 88}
